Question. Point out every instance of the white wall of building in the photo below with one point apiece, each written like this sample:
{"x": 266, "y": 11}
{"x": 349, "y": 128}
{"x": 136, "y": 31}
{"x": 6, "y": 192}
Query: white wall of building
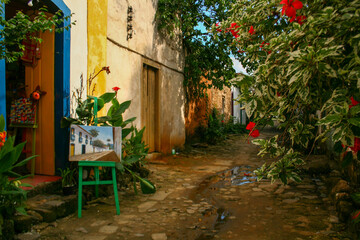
{"x": 79, "y": 50}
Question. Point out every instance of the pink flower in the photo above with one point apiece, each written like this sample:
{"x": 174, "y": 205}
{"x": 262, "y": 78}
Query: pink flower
{"x": 290, "y": 7}
{"x": 116, "y": 89}
{"x": 252, "y": 31}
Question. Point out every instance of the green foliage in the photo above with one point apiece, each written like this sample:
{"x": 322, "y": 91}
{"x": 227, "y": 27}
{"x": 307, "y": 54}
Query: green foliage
{"x": 302, "y": 76}
{"x": 217, "y": 128}
{"x": 68, "y": 177}
{"x": 134, "y": 149}
{"x": 12, "y": 197}
{"x": 21, "y": 26}
{"x": 205, "y": 55}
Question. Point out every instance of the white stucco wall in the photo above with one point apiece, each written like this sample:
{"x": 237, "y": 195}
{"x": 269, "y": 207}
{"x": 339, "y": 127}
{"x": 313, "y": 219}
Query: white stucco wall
{"x": 126, "y": 58}
{"x": 78, "y": 52}
{"x": 239, "y": 113}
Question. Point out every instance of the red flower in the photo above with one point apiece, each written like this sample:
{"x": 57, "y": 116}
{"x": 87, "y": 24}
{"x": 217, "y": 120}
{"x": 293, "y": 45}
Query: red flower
{"x": 252, "y": 31}
{"x": 278, "y": 94}
{"x": 233, "y": 27}
{"x": 218, "y": 27}
{"x": 241, "y": 51}
{"x": 2, "y": 138}
{"x": 290, "y": 7}
{"x": 116, "y": 89}
{"x": 353, "y": 103}
{"x": 300, "y": 19}
{"x": 356, "y": 146}
{"x": 247, "y": 174}
{"x": 254, "y": 133}
{"x": 107, "y": 69}
{"x": 250, "y": 126}
{"x": 355, "y": 216}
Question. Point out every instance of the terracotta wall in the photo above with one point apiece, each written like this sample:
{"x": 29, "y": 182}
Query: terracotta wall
{"x": 197, "y": 111}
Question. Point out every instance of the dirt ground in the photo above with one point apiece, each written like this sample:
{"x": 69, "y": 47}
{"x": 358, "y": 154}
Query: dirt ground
{"x": 207, "y": 193}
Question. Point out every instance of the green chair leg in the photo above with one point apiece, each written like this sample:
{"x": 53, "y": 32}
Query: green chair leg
{"x": 80, "y": 192}
{"x": 115, "y": 190}
{"x": 97, "y": 181}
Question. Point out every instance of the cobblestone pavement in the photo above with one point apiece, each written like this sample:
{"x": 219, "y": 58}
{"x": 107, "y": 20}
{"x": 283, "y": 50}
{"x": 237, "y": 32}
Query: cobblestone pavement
{"x": 206, "y": 193}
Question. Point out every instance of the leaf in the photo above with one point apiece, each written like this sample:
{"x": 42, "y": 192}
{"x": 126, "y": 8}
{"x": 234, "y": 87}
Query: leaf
{"x": 355, "y": 121}
{"x": 250, "y": 107}
{"x": 122, "y": 108}
{"x": 126, "y": 132}
{"x": 2, "y": 123}
{"x": 107, "y": 97}
{"x": 128, "y": 121}
{"x": 348, "y": 158}
{"x": 356, "y": 197}
{"x": 147, "y": 187}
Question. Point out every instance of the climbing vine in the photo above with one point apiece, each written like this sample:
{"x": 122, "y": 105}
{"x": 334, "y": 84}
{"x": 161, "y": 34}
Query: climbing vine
{"x": 205, "y": 55}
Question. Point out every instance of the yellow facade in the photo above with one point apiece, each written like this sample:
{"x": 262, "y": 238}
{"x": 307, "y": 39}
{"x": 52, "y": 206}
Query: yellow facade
{"x": 97, "y": 33}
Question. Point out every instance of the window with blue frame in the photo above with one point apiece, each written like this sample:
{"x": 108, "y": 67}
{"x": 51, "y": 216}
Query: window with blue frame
{"x": 80, "y": 137}
{"x": 72, "y": 135}
{"x": 91, "y": 141}
{"x": 86, "y": 139}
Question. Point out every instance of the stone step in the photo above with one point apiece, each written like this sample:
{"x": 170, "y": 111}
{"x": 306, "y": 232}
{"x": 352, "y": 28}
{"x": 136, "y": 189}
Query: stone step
{"x": 45, "y": 208}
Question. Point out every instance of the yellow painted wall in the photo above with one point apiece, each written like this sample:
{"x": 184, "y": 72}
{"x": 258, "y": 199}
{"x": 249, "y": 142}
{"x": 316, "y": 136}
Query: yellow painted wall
{"x": 97, "y": 32}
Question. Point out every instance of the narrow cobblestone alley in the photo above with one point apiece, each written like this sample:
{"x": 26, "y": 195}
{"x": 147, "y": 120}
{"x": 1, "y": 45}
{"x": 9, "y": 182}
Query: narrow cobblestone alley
{"x": 206, "y": 193}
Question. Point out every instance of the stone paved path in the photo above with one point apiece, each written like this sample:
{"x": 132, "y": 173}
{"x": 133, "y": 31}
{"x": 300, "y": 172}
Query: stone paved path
{"x": 206, "y": 194}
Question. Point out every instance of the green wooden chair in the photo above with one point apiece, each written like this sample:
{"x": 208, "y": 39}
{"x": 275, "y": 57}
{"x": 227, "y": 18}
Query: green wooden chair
{"x": 97, "y": 182}
{"x": 96, "y": 165}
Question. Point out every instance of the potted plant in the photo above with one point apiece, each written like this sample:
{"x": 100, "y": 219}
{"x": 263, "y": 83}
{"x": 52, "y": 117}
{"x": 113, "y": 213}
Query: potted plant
{"x": 68, "y": 181}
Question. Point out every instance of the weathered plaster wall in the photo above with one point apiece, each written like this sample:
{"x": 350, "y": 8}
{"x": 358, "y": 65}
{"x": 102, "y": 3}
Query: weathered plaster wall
{"x": 126, "y": 58}
{"x": 78, "y": 51}
{"x": 221, "y": 100}
{"x": 97, "y": 11}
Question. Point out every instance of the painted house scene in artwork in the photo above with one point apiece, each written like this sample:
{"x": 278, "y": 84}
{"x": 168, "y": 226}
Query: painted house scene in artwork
{"x": 93, "y": 143}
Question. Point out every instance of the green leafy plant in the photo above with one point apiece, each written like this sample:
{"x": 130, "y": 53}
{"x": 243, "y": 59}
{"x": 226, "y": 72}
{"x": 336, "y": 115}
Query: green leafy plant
{"x": 206, "y": 57}
{"x": 134, "y": 149}
{"x": 21, "y": 26}
{"x": 303, "y": 70}
{"x": 67, "y": 177}
{"x": 12, "y": 196}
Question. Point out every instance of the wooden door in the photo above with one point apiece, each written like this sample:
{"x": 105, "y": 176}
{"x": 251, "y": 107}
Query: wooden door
{"x": 150, "y": 107}
{"x": 43, "y": 75}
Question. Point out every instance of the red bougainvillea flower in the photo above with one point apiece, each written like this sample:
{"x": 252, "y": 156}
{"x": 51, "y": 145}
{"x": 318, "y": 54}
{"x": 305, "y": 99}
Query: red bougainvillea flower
{"x": 250, "y": 126}
{"x": 107, "y": 69}
{"x": 254, "y": 133}
{"x": 353, "y": 103}
{"x": 290, "y": 7}
{"x": 116, "y": 89}
{"x": 252, "y": 31}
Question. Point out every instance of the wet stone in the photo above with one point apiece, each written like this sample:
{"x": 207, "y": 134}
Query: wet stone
{"x": 158, "y": 236}
{"x": 291, "y": 200}
{"x": 108, "y": 229}
{"x": 81, "y": 229}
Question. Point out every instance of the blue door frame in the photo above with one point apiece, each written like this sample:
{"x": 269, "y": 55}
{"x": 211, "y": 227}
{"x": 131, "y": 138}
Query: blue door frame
{"x": 62, "y": 86}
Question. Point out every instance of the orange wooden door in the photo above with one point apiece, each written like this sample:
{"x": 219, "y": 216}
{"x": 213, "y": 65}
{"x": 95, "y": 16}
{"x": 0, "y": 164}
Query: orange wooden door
{"x": 43, "y": 75}
{"x": 150, "y": 108}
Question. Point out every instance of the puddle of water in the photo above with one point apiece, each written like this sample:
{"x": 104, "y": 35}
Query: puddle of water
{"x": 238, "y": 176}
